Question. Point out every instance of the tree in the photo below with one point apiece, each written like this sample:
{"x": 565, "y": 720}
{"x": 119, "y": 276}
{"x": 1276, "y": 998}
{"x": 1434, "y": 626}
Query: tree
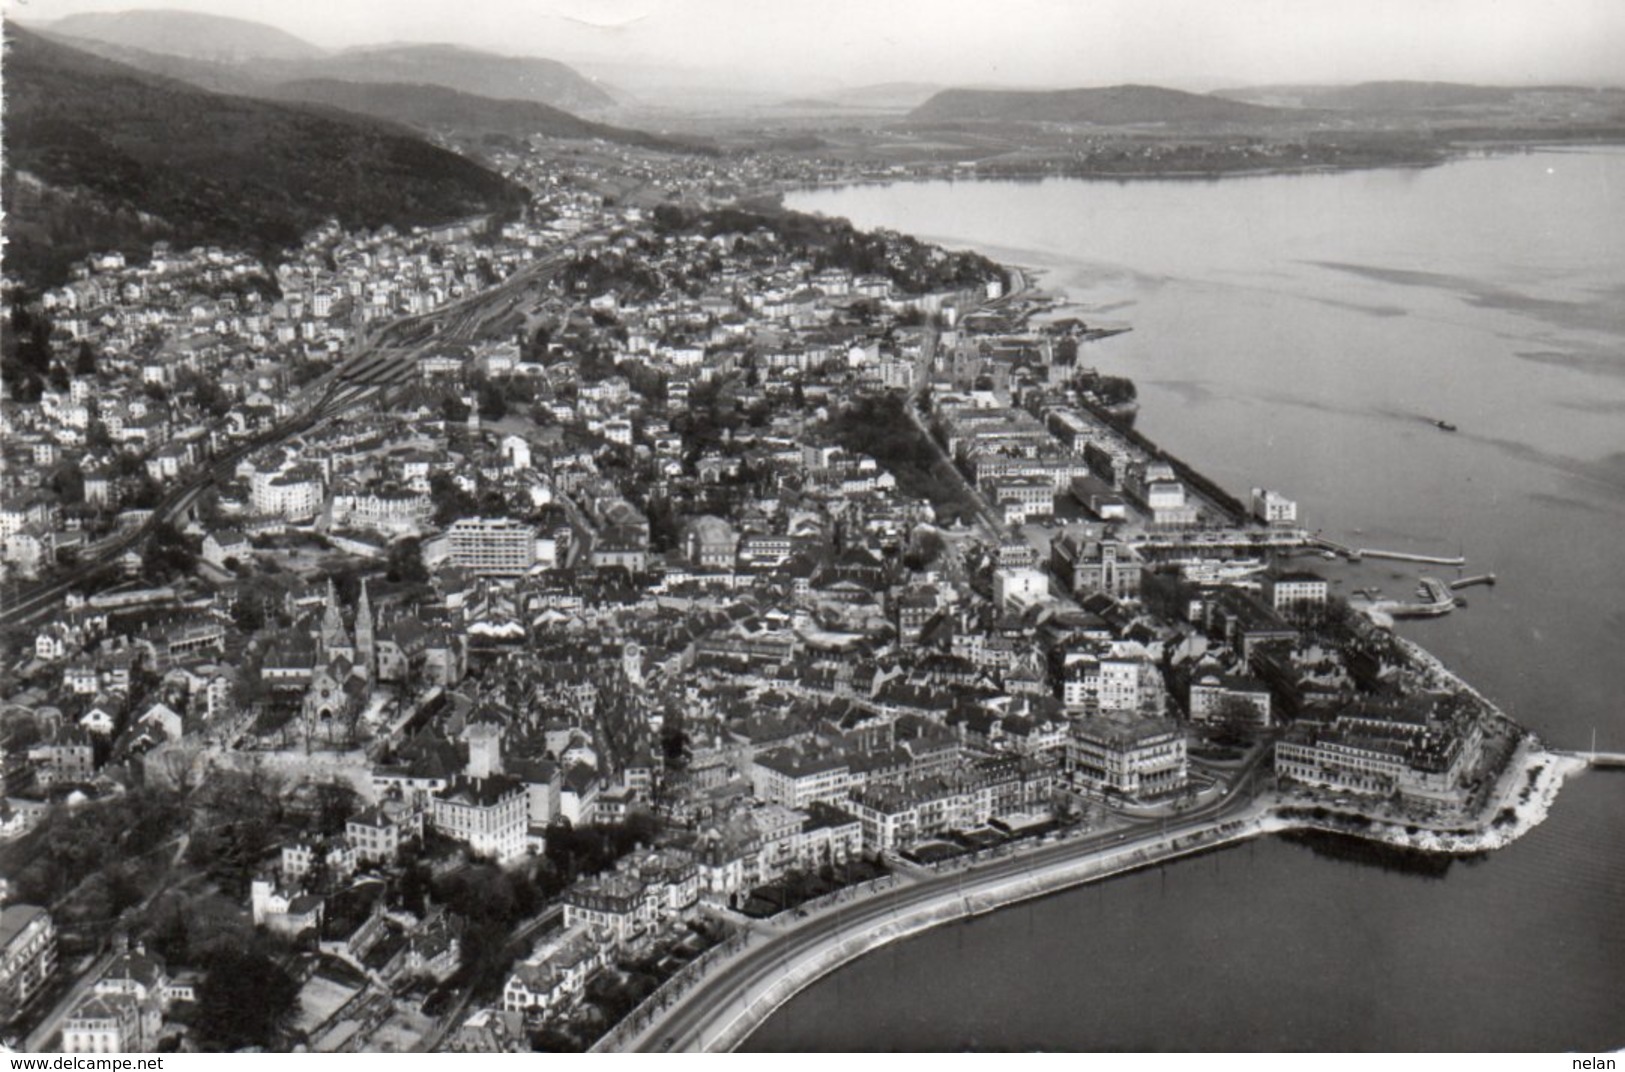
{"x": 674, "y": 746}
{"x": 248, "y": 613}
{"x": 205, "y": 392}
{"x": 68, "y": 481}
{"x": 451, "y": 502}
{"x": 97, "y": 437}
{"x": 539, "y": 343}
{"x": 346, "y": 581}
{"x": 493, "y": 406}
{"x": 406, "y": 561}
{"x": 336, "y": 802}
{"x": 245, "y": 999}
{"x": 25, "y": 353}
{"x": 1236, "y": 716}
{"x": 167, "y": 552}
{"x": 454, "y": 410}
{"x": 925, "y": 548}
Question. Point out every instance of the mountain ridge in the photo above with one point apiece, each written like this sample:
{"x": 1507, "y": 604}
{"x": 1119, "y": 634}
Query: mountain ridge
{"x": 438, "y": 108}
{"x": 164, "y": 42}
{"x": 100, "y": 155}
{"x": 1103, "y": 105}
{"x": 1397, "y": 94}
{"x": 185, "y": 33}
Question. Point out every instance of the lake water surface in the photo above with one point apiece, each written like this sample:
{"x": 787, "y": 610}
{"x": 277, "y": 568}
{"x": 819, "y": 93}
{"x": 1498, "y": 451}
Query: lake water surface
{"x": 1301, "y": 333}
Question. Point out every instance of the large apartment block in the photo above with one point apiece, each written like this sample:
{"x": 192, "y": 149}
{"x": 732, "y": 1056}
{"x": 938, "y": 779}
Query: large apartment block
{"x": 497, "y": 546}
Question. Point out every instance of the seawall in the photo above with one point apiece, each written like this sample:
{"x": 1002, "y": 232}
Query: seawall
{"x": 951, "y": 906}
{"x": 1529, "y": 788}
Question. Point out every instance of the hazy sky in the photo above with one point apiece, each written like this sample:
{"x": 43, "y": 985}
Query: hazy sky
{"x": 1197, "y": 43}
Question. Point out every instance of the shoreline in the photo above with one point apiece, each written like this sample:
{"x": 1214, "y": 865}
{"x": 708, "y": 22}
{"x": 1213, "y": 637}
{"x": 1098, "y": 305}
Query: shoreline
{"x": 1450, "y": 154}
{"x": 979, "y": 893}
{"x": 1525, "y": 790}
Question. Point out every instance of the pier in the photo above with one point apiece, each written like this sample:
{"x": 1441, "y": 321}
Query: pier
{"x": 1439, "y": 601}
{"x": 1468, "y": 582}
{"x": 1281, "y": 539}
{"x": 1355, "y": 554}
{"x": 1599, "y": 759}
{"x": 1407, "y": 556}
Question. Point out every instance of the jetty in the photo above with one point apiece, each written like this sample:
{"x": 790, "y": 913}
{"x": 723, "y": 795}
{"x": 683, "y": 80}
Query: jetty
{"x": 1434, "y": 600}
{"x": 1597, "y": 759}
{"x": 1355, "y": 554}
{"x": 1407, "y": 556}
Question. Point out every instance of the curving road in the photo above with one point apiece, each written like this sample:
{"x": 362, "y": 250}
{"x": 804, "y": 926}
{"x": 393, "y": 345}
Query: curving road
{"x": 714, "y": 1011}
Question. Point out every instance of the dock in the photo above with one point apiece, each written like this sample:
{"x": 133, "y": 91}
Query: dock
{"x": 1407, "y": 556}
{"x": 1355, "y": 554}
{"x": 1597, "y": 759}
{"x": 1439, "y": 601}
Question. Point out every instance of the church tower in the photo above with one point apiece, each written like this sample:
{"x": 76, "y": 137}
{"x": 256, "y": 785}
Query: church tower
{"x": 334, "y": 640}
{"x": 366, "y": 652}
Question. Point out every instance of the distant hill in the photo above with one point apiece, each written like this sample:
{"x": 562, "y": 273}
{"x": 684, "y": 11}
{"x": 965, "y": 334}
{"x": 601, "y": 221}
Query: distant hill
{"x": 812, "y": 104}
{"x": 215, "y": 76}
{"x": 889, "y": 94}
{"x": 1374, "y": 96}
{"x": 483, "y": 74}
{"x": 1106, "y": 106}
{"x": 187, "y": 33}
{"x": 437, "y": 108}
{"x": 99, "y": 155}
{"x": 233, "y": 54}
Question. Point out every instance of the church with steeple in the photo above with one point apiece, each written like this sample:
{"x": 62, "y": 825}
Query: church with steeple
{"x": 346, "y": 665}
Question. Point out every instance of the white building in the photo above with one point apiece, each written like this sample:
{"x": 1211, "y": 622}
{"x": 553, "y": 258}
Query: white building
{"x": 787, "y": 777}
{"x": 1020, "y": 587}
{"x": 1273, "y": 508}
{"x": 1213, "y": 696}
{"x": 1296, "y": 592}
{"x": 1128, "y": 756}
{"x": 516, "y": 449}
{"x": 490, "y": 815}
{"x": 294, "y": 493}
{"x": 1104, "y": 683}
{"x": 497, "y": 546}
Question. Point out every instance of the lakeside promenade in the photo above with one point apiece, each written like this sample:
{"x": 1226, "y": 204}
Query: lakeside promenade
{"x": 722, "y": 1010}
{"x": 735, "y": 994}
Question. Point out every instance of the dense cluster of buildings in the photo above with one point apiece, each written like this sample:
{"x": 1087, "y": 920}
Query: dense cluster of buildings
{"x": 628, "y": 567}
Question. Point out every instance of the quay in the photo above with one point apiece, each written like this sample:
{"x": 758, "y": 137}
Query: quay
{"x": 1256, "y": 539}
{"x": 1406, "y": 556}
{"x": 1439, "y": 601}
{"x": 739, "y": 992}
{"x": 1600, "y": 760}
{"x": 1355, "y": 554}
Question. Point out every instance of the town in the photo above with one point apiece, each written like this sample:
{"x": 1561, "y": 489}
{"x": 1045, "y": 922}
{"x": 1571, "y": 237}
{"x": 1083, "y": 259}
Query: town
{"x": 465, "y": 638}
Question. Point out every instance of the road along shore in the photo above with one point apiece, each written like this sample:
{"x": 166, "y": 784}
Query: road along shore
{"x": 721, "y": 1012}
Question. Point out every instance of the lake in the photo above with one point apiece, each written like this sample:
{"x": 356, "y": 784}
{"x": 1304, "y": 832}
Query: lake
{"x": 1303, "y": 332}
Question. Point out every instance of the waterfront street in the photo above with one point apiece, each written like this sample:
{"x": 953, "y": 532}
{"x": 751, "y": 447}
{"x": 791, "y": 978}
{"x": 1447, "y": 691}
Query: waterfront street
{"x": 721, "y": 1012}
{"x": 778, "y": 961}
